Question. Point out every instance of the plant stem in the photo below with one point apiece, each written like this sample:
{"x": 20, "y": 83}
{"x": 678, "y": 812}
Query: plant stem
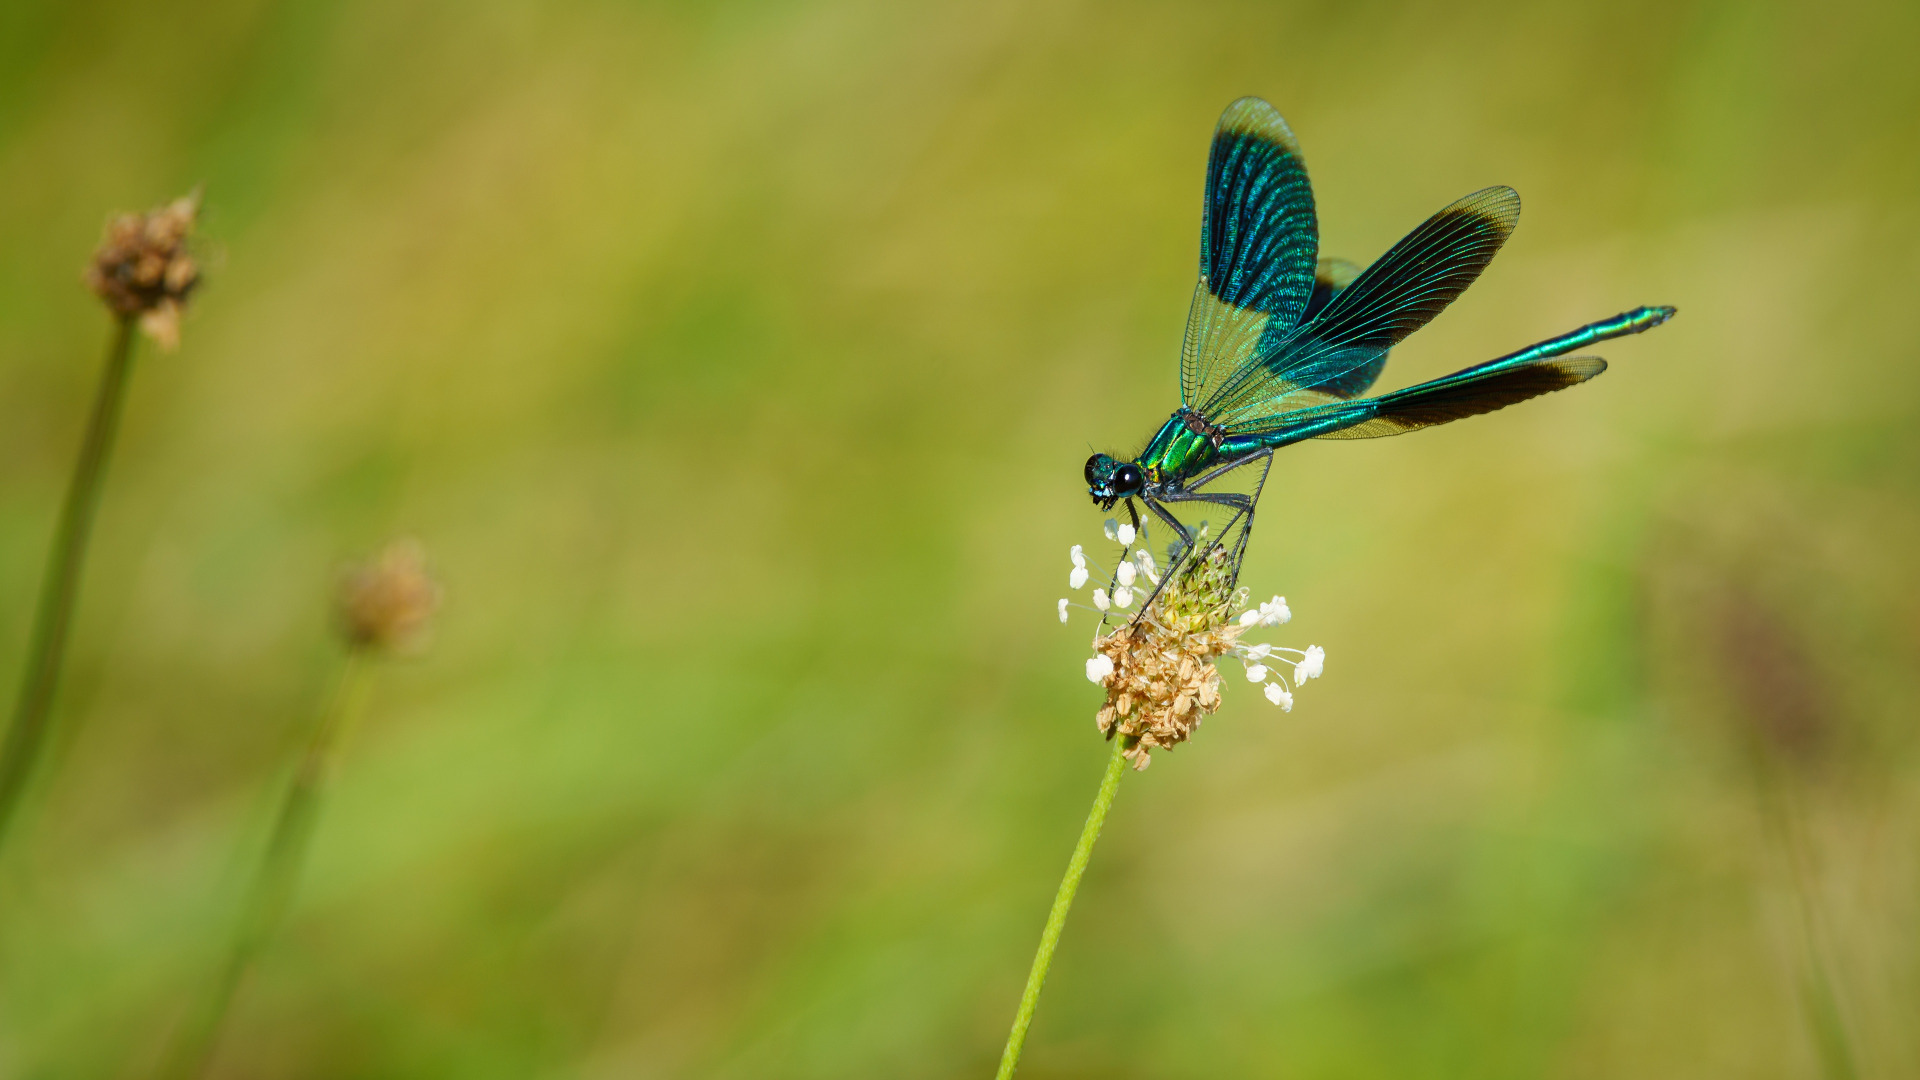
{"x": 61, "y": 585}
{"x": 1819, "y": 998}
{"x": 273, "y": 885}
{"x": 1062, "y": 901}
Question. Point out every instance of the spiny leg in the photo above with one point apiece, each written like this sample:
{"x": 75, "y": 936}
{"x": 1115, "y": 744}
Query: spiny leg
{"x": 1243, "y": 461}
{"x": 1185, "y": 534}
{"x": 1241, "y": 502}
{"x": 1235, "y": 499}
{"x": 1239, "y": 524}
{"x": 1113, "y": 582}
{"x": 1183, "y": 545}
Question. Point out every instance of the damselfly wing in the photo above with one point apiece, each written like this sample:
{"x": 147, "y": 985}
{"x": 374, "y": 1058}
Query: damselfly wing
{"x": 1280, "y": 344}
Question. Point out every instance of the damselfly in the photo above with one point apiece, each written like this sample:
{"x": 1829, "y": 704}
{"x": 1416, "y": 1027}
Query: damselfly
{"x": 1280, "y": 343}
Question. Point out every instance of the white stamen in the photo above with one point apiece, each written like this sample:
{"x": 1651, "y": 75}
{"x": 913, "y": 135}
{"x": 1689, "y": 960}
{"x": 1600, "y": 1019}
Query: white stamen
{"x": 1249, "y": 616}
{"x": 1126, "y": 536}
{"x": 1078, "y": 556}
{"x": 1125, "y": 573}
{"x": 1100, "y": 599}
{"x": 1256, "y": 673}
{"x": 1122, "y": 597}
{"x": 1312, "y": 666}
{"x": 1078, "y": 578}
{"x": 1276, "y": 694}
{"x": 1112, "y": 529}
{"x": 1258, "y": 652}
{"x": 1098, "y": 668}
{"x": 1063, "y": 609}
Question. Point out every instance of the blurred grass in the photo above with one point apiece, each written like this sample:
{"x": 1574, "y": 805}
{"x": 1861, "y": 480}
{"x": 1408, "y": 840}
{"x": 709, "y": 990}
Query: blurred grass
{"x": 736, "y": 362}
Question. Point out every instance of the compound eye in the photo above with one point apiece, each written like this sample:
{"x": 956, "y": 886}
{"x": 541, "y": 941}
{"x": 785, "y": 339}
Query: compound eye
{"x": 1091, "y": 462}
{"x": 1127, "y": 479}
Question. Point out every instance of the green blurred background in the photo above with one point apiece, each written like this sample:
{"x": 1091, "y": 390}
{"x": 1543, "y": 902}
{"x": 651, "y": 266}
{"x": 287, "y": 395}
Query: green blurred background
{"x": 736, "y": 364}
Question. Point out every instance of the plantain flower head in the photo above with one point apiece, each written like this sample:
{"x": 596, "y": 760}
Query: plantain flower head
{"x": 387, "y": 603}
{"x": 1159, "y": 667}
{"x": 142, "y": 270}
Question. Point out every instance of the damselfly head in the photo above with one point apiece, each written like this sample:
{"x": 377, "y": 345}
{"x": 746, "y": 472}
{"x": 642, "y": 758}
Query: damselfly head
{"x": 1109, "y": 480}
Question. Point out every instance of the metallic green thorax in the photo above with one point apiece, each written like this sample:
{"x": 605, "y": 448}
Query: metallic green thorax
{"x": 1184, "y": 447}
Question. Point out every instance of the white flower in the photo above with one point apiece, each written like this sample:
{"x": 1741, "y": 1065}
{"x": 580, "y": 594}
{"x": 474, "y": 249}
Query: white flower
{"x": 1275, "y": 693}
{"x": 1063, "y": 609}
{"x": 1098, "y": 668}
{"x": 1112, "y": 529}
{"x": 1126, "y": 536}
{"x": 1311, "y": 666}
{"x": 1078, "y": 556}
{"x": 1078, "y": 578}
{"x": 1100, "y": 599}
{"x": 1270, "y": 613}
{"x": 1122, "y": 597}
{"x": 1125, "y": 573}
{"x": 1274, "y": 612}
{"x": 1145, "y": 559}
{"x": 1256, "y": 673}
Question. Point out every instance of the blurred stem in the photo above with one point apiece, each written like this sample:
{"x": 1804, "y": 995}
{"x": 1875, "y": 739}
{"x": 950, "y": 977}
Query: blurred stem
{"x": 1062, "y": 901}
{"x": 1825, "y": 1022}
{"x": 273, "y": 885}
{"x": 61, "y": 585}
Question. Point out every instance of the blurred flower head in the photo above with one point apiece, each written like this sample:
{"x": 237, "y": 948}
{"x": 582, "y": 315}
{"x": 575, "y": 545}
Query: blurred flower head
{"x": 1159, "y": 668}
{"x": 387, "y": 603}
{"x": 141, "y": 270}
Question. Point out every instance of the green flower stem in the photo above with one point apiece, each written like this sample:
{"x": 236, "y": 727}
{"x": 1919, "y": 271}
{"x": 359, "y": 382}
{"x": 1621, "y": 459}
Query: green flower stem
{"x": 1062, "y": 901}
{"x": 61, "y": 585}
{"x": 273, "y": 886}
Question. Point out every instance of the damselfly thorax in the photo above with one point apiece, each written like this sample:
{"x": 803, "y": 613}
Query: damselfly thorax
{"x": 1184, "y": 447}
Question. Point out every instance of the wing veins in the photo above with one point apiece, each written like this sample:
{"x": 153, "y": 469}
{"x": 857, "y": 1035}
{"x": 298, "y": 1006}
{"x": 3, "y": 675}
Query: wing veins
{"x": 1438, "y": 261}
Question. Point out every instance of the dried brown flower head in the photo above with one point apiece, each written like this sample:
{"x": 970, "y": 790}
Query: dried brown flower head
{"x": 1163, "y": 680}
{"x": 388, "y": 603}
{"x": 1158, "y": 669}
{"x": 142, "y": 270}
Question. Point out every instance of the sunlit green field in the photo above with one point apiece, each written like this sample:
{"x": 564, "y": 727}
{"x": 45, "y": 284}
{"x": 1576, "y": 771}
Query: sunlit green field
{"x": 736, "y": 364}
